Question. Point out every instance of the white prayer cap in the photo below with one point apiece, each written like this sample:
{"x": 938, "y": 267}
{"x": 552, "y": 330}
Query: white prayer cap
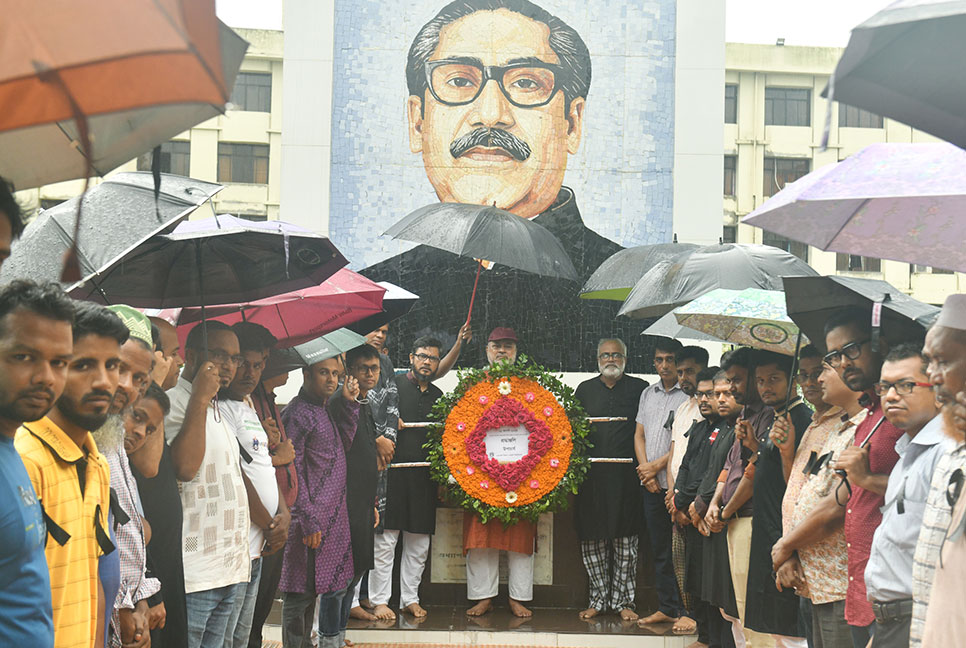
{"x": 953, "y": 314}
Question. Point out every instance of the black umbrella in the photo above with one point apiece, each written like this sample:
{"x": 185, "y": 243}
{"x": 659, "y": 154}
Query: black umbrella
{"x": 119, "y": 213}
{"x": 486, "y": 233}
{"x": 395, "y": 303}
{"x": 733, "y": 265}
{"x": 811, "y": 300}
{"x": 215, "y": 261}
{"x": 906, "y": 62}
{"x": 617, "y": 276}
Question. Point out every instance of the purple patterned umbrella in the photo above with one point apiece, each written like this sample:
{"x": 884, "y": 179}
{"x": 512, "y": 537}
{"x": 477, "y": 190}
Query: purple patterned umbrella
{"x": 905, "y": 202}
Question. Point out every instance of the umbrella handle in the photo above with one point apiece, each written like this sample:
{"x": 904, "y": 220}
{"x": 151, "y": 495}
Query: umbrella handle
{"x": 479, "y": 266}
{"x": 791, "y": 376}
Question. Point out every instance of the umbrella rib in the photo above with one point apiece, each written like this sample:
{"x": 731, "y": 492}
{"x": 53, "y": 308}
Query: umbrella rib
{"x": 194, "y": 50}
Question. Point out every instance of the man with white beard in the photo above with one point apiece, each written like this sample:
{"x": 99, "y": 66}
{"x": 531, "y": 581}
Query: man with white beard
{"x": 607, "y": 507}
{"x": 131, "y": 619}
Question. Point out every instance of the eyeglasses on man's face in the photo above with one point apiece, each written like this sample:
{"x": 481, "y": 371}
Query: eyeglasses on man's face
{"x": 615, "y": 355}
{"x": 459, "y": 81}
{"x": 366, "y": 369}
{"x": 222, "y": 357}
{"x": 852, "y": 351}
{"x": 422, "y": 357}
{"x": 705, "y": 394}
{"x": 902, "y": 387}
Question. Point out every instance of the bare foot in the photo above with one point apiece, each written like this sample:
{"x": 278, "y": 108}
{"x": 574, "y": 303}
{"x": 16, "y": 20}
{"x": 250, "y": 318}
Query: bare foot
{"x": 518, "y": 610}
{"x": 697, "y": 644}
{"x": 348, "y": 643}
{"x": 684, "y": 625}
{"x": 384, "y": 613}
{"x": 589, "y": 613}
{"x": 415, "y": 609}
{"x": 359, "y": 612}
{"x": 628, "y": 614}
{"x": 657, "y": 617}
{"x": 366, "y": 603}
{"x": 481, "y": 608}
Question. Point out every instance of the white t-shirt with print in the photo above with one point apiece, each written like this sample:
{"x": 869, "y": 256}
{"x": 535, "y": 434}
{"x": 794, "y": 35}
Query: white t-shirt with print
{"x": 215, "y": 544}
{"x": 251, "y": 435}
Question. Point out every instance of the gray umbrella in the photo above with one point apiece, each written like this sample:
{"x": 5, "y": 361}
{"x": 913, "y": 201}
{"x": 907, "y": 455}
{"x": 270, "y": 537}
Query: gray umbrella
{"x": 118, "y": 214}
{"x": 733, "y": 265}
{"x": 906, "y": 63}
{"x": 489, "y": 233}
{"x": 811, "y": 300}
{"x": 616, "y": 276}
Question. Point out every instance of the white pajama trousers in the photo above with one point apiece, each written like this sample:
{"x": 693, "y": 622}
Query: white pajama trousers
{"x": 415, "y": 551}
{"x": 483, "y": 574}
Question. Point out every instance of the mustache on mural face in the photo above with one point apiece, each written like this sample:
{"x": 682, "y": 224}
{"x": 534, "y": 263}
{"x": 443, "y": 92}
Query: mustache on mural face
{"x": 497, "y": 137}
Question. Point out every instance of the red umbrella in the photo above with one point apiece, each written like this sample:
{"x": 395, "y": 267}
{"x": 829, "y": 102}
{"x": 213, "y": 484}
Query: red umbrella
{"x": 298, "y": 316}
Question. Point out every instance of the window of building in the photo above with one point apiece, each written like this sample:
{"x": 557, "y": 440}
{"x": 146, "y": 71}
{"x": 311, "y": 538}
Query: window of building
{"x": 778, "y": 172}
{"x": 788, "y": 107}
{"x": 175, "y": 158}
{"x": 930, "y": 270}
{"x": 47, "y": 203}
{"x": 253, "y": 91}
{"x": 729, "y": 234}
{"x": 793, "y": 247}
{"x": 852, "y": 117}
{"x": 730, "y": 171}
{"x": 856, "y": 263}
{"x": 731, "y": 103}
{"x": 246, "y": 163}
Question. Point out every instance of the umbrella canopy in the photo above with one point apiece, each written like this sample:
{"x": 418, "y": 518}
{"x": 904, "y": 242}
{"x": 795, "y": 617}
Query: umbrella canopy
{"x": 897, "y": 201}
{"x": 750, "y": 317}
{"x": 489, "y": 233}
{"x": 733, "y": 265}
{"x": 616, "y": 276}
{"x": 396, "y": 302}
{"x": 667, "y": 326}
{"x": 218, "y": 260}
{"x": 298, "y": 316}
{"x": 328, "y": 346}
{"x": 119, "y": 213}
{"x": 905, "y": 62}
{"x": 811, "y": 300}
{"x": 159, "y": 69}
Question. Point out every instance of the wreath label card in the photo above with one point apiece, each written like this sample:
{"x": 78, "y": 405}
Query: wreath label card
{"x": 510, "y": 442}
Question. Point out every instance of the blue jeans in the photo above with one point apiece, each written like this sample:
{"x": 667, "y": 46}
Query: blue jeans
{"x": 659, "y": 533}
{"x": 298, "y": 611}
{"x": 208, "y": 613}
{"x": 240, "y": 621}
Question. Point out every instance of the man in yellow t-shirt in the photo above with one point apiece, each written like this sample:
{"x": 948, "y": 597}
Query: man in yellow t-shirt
{"x": 72, "y": 478}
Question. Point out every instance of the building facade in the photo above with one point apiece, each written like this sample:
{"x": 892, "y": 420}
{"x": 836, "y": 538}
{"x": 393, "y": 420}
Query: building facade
{"x": 774, "y": 120}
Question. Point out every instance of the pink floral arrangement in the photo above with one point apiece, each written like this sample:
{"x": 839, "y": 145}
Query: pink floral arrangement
{"x": 507, "y": 412}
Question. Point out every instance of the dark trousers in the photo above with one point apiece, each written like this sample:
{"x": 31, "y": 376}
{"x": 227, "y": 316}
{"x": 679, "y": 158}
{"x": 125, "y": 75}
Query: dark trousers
{"x": 805, "y": 620}
{"x": 861, "y": 635}
{"x": 892, "y": 630}
{"x": 658, "y": 523}
{"x": 829, "y": 628}
{"x": 267, "y": 589}
{"x": 719, "y": 630}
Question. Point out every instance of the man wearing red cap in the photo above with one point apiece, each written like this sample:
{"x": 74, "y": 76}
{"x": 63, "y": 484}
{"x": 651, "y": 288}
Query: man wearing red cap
{"x": 482, "y": 543}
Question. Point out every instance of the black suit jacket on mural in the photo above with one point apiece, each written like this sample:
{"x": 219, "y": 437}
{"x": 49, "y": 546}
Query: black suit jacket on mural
{"x": 556, "y": 328}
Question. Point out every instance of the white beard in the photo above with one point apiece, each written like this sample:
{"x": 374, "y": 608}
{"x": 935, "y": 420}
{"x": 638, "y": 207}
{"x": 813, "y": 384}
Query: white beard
{"x": 611, "y": 372}
{"x": 110, "y": 436}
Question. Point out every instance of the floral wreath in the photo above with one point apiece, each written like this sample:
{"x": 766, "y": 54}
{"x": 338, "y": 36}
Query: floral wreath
{"x": 509, "y": 395}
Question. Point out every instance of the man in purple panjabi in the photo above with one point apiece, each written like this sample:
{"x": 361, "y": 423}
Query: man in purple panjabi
{"x": 318, "y": 554}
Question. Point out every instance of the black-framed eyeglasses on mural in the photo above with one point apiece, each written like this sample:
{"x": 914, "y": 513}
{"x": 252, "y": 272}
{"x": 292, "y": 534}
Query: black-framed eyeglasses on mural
{"x": 525, "y": 84}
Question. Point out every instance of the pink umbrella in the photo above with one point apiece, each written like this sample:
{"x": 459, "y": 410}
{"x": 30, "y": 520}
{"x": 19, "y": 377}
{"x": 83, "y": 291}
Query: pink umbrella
{"x": 298, "y": 316}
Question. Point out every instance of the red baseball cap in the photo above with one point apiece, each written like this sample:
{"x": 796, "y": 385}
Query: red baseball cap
{"x": 502, "y": 333}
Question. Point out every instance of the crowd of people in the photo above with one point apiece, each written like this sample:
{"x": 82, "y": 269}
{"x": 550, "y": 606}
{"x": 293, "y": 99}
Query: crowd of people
{"x": 150, "y": 500}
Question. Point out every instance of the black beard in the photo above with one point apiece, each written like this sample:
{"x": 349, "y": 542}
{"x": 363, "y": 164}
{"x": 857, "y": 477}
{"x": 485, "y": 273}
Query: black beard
{"x": 68, "y": 407}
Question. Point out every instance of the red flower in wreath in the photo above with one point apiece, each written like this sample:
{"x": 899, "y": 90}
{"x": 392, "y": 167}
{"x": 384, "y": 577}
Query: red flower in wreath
{"x": 508, "y": 412}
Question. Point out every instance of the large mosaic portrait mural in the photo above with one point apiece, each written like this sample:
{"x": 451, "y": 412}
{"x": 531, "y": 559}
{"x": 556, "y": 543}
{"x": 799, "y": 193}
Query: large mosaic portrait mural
{"x": 561, "y": 112}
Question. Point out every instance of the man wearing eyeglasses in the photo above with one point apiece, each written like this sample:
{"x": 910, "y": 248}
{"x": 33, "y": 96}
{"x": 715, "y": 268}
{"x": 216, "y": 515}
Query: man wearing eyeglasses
{"x": 607, "y": 506}
{"x": 850, "y": 341}
{"x": 206, "y": 458}
{"x": 938, "y": 562}
{"x": 909, "y": 404}
{"x": 497, "y": 92}
{"x": 411, "y": 495}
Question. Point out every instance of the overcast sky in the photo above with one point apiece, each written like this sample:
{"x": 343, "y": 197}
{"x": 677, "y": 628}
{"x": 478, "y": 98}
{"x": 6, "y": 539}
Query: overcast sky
{"x": 815, "y": 22}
